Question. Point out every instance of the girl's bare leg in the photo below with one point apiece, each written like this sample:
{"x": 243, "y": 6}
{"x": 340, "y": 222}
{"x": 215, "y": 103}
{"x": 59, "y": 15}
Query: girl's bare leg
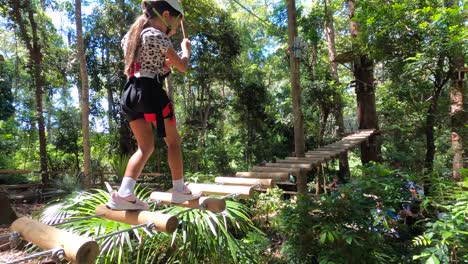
{"x": 143, "y": 132}
{"x": 174, "y": 150}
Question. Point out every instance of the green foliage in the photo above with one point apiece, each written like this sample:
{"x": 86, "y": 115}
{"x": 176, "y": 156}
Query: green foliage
{"x": 6, "y": 100}
{"x": 445, "y": 239}
{"x": 352, "y": 225}
{"x": 204, "y": 237}
{"x": 119, "y": 165}
{"x": 269, "y": 202}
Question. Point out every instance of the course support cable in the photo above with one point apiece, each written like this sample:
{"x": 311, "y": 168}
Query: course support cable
{"x": 77, "y": 220}
{"x": 57, "y": 255}
{"x": 148, "y": 225}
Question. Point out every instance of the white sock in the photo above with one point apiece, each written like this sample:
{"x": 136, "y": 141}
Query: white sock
{"x": 178, "y": 185}
{"x": 127, "y": 186}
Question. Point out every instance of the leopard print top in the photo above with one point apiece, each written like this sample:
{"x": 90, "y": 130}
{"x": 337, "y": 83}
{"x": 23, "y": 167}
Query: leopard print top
{"x": 152, "y": 52}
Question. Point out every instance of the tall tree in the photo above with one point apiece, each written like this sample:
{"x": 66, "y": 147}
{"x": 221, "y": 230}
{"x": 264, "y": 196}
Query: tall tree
{"x": 293, "y": 43}
{"x": 23, "y": 14}
{"x": 457, "y": 113}
{"x": 299, "y": 141}
{"x": 84, "y": 98}
{"x": 337, "y": 97}
{"x": 363, "y": 69}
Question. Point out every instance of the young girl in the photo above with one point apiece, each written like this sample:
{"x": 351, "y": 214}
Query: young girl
{"x": 149, "y": 54}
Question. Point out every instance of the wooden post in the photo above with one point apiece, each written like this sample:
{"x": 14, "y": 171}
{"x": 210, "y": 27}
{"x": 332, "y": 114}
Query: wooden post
{"x": 77, "y": 249}
{"x": 211, "y": 204}
{"x": 7, "y": 215}
{"x": 277, "y": 176}
{"x": 294, "y": 59}
{"x": 242, "y": 191}
{"x": 162, "y": 222}
{"x": 265, "y": 183}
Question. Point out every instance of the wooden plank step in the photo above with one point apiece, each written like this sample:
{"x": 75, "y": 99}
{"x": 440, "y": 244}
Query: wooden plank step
{"x": 214, "y": 205}
{"x": 286, "y": 183}
{"x": 284, "y": 192}
{"x": 265, "y": 183}
{"x": 304, "y": 166}
{"x": 217, "y": 189}
{"x": 277, "y": 176}
{"x": 294, "y": 171}
{"x": 311, "y": 162}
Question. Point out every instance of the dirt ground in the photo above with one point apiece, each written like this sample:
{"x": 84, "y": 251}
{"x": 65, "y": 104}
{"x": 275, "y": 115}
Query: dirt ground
{"x": 7, "y": 254}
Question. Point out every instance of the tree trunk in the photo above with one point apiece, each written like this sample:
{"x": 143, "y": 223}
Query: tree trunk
{"x": 35, "y": 54}
{"x": 430, "y": 123}
{"x": 338, "y": 111}
{"x": 84, "y": 96}
{"x": 8, "y": 215}
{"x": 363, "y": 68}
{"x": 457, "y": 114}
{"x": 299, "y": 140}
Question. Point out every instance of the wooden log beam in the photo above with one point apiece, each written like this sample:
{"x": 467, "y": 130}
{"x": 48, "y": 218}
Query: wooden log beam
{"x": 15, "y": 171}
{"x": 208, "y": 203}
{"x": 77, "y": 249}
{"x": 162, "y": 222}
{"x": 304, "y": 166}
{"x": 312, "y": 162}
{"x": 321, "y": 156}
{"x": 242, "y": 191}
{"x": 7, "y": 215}
{"x": 277, "y": 176}
{"x": 265, "y": 183}
{"x": 22, "y": 186}
{"x": 293, "y": 171}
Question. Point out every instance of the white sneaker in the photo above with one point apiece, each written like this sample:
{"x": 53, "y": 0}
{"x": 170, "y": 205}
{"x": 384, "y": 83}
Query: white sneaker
{"x": 185, "y": 195}
{"x": 119, "y": 203}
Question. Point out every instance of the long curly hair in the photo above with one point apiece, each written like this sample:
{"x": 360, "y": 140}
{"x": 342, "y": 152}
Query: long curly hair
{"x": 133, "y": 38}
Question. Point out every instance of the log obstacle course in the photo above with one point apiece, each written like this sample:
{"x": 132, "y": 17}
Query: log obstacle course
{"x": 283, "y": 172}
{"x": 300, "y": 166}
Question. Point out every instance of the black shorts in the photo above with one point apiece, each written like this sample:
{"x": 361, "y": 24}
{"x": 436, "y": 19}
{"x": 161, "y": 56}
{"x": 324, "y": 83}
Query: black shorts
{"x": 145, "y": 98}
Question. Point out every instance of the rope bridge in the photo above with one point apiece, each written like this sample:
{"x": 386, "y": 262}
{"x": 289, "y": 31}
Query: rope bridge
{"x": 60, "y": 244}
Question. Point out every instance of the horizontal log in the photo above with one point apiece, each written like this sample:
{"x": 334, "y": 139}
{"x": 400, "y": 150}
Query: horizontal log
{"x": 162, "y": 222}
{"x": 22, "y": 186}
{"x": 305, "y": 166}
{"x": 312, "y": 162}
{"x": 211, "y": 204}
{"x": 283, "y": 191}
{"x": 286, "y": 183}
{"x": 322, "y": 154}
{"x": 242, "y": 191}
{"x": 277, "y": 176}
{"x": 294, "y": 171}
{"x": 15, "y": 171}
{"x": 77, "y": 249}
{"x": 265, "y": 183}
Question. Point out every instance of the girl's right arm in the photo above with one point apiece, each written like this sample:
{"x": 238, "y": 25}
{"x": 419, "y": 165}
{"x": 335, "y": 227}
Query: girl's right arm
{"x": 181, "y": 63}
